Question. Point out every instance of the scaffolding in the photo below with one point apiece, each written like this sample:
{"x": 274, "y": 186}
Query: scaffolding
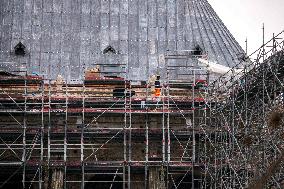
{"x": 245, "y": 106}
{"x": 174, "y": 132}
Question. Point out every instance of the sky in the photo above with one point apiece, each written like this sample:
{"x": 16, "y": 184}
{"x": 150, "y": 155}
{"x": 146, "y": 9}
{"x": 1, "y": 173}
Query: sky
{"x": 244, "y": 18}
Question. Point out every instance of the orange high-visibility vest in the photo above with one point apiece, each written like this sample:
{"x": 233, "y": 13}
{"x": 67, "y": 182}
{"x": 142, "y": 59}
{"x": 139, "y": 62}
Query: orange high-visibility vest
{"x": 157, "y": 92}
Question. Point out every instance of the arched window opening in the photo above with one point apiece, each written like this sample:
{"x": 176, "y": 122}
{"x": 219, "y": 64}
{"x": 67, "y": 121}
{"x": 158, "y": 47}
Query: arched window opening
{"x": 197, "y": 51}
{"x": 109, "y": 49}
{"x": 20, "y": 49}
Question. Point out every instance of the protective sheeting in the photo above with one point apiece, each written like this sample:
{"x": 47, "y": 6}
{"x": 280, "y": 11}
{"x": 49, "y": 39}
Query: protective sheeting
{"x": 216, "y": 68}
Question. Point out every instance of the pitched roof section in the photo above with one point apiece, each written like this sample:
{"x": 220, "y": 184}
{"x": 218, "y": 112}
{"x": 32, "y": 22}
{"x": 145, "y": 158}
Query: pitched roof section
{"x": 65, "y": 37}
{"x": 209, "y": 32}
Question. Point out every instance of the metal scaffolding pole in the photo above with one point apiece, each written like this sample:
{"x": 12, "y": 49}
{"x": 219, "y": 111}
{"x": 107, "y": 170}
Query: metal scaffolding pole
{"x": 82, "y": 141}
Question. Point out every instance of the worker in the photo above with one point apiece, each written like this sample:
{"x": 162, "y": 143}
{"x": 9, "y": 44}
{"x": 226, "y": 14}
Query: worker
{"x": 151, "y": 80}
{"x": 97, "y": 69}
{"x": 59, "y": 83}
{"x": 157, "y": 86}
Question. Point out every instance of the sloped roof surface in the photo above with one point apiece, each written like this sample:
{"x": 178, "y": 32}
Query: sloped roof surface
{"x": 68, "y": 36}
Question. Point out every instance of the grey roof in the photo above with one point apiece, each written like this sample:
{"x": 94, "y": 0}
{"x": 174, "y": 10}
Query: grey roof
{"x": 68, "y": 36}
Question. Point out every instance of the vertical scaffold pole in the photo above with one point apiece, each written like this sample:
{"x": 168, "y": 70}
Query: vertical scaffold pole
{"x": 146, "y": 140}
{"x": 193, "y": 132}
{"x": 168, "y": 127}
{"x": 41, "y": 135}
{"x": 65, "y": 135}
{"x": 129, "y": 135}
{"x": 163, "y": 127}
{"x": 263, "y": 89}
{"x": 82, "y": 139}
{"x": 49, "y": 127}
{"x": 125, "y": 137}
{"x": 24, "y": 136}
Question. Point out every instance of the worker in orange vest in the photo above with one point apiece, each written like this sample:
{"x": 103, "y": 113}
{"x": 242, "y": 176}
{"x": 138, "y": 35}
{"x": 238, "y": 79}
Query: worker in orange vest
{"x": 157, "y": 86}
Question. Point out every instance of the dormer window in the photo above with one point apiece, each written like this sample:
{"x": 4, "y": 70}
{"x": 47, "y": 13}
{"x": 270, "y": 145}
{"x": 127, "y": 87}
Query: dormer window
{"x": 242, "y": 57}
{"x": 109, "y": 49}
{"x": 197, "y": 51}
{"x": 20, "y": 49}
